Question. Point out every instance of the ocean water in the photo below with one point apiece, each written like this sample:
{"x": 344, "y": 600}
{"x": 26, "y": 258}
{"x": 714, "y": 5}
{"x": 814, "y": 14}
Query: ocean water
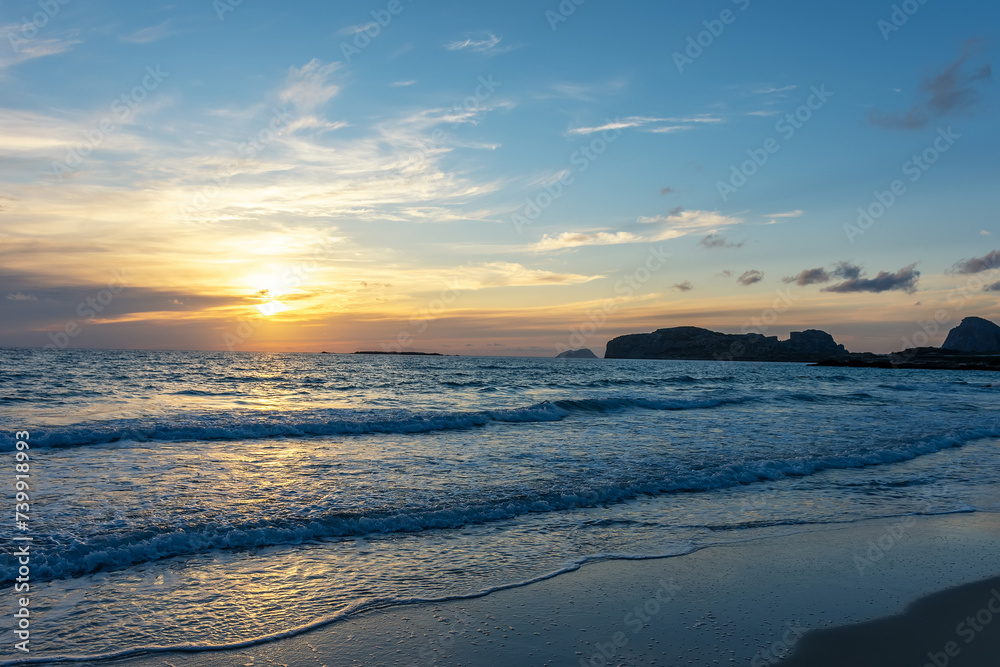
{"x": 193, "y": 499}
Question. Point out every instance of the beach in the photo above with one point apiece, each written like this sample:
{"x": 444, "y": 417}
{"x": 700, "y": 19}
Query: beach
{"x": 751, "y": 603}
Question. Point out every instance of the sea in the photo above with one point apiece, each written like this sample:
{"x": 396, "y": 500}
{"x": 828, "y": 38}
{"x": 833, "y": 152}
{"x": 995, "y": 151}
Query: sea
{"x": 203, "y": 499}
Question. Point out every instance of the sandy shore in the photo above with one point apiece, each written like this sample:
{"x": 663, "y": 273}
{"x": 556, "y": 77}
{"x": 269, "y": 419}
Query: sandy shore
{"x": 748, "y": 604}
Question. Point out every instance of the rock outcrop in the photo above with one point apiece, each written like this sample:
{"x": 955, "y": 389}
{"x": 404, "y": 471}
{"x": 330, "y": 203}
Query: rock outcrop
{"x": 695, "y": 343}
{"x": 582, "y": 353}
{"x": 974, "y": 336}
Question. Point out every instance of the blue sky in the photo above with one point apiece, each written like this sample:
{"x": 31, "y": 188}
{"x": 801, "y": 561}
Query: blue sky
{"x": 501, "y": 178}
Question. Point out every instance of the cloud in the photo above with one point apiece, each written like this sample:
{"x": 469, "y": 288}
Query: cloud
{"x": 750, "y": 277}
{"x": 995, "y": 287}
{"x": 847, "y": 270}
{"x": 685, "y": 286}
{"x": 582, "y": 92}
{"x": 667, "y": 190}
{"x": 18, "y": 296}
{"x": 725, "y": 274}
{"x": 147, "y": 35}
{"x": 675, "y": 124}
{"x": 402, "y": 84}
{"x": 719, "y": 241}
{"x": 904, "y": 280}
{"x": 954, "y": 89}
{"x": 675, "y": 225}
{"x": 797, "y": 213}
{"x": 578, "y": 239}
{"x": 307, "y": 87}
{"x": 680, "y": 222}
{"x": 511, "y": 274}
{"x": 488, "y": 44}
{"x": 809, "y": 277}
{"x": 977, "y": 264}
{"x": 771, "y": 90}
{"x": 33, "y": 48}
{"x": 984, "y": 233}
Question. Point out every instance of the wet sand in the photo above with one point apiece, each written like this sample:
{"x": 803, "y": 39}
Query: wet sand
{"x": 753, "y": 603}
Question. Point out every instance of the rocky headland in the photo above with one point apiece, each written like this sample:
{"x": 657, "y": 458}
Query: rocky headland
{"x": 694, "y": 343}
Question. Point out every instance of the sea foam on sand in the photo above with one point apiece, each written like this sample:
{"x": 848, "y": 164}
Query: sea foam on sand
{"x": 752, "y": 603}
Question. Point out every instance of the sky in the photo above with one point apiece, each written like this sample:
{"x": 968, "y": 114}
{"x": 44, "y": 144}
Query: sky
{"x": 498, "y": 178}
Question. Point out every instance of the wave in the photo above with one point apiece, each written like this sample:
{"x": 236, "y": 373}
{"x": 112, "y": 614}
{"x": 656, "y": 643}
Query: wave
{"x": 132, "y": 547}
{"x": 252, "y": 426}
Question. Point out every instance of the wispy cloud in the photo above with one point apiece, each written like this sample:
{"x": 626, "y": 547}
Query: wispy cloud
{"x": 579, "y": 239}
{"x": 34, "y": 48}
{"x": 685, "y": 286}
{"x": 308, "y": 87}
{"x": 787, "y": 214}
{"x": 486, "y": 44}
{"x": 512, "y": 274}
{"x": 775, "y": 218}
{"x": 147, "y": 35}
{"x": 954, "y": 89}
{"x": 402, "y": 84}
{"x": 674, "y": 225}
{"x": 771, "y": 90}
{"x": 581, "y": 92}
{"x": 673, "y": 124}
{"x": 680, "y": 222}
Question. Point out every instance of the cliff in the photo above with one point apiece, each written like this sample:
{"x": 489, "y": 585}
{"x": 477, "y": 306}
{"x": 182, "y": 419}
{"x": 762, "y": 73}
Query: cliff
{"x": 701, "y": 344}
{"x": 974, "y": 336}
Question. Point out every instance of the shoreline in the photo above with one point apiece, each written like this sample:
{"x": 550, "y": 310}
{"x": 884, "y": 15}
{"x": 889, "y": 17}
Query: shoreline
{"x": 750, "y": 602}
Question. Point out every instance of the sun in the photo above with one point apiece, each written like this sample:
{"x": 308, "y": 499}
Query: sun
{"x": 267, "y": 288}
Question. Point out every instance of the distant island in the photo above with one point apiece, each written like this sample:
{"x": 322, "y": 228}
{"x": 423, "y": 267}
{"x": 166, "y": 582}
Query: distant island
{"x": 582, "y": 353}
{"x": 972, "y": 345}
